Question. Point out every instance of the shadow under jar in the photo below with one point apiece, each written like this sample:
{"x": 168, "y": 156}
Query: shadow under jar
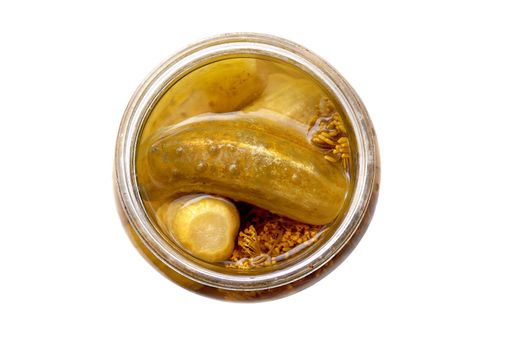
{"x": 246, "y": 168}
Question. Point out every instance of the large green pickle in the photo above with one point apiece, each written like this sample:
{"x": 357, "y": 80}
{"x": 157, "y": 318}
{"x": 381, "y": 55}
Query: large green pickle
{"x": 262, "y": 159}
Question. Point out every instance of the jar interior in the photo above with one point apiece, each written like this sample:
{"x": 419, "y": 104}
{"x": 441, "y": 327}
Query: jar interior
{"x": 249, "y": 151}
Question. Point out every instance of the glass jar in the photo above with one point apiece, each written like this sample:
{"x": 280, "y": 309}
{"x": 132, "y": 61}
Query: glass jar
{"x": 272, "y": 282}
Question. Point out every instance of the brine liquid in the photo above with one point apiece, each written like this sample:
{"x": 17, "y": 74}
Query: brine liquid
{"x": 281, "y": 97}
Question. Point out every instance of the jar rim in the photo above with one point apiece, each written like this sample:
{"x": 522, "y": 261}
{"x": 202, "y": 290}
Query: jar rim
{"x": 187, "y": 60}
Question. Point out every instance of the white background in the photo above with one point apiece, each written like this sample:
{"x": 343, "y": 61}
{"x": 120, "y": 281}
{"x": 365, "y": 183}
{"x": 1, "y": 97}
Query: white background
{"x": 442, "y": 265}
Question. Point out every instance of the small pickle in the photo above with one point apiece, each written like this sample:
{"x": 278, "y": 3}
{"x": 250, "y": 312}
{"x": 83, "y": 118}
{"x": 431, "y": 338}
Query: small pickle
{"x": 206, "y": 226}
{"x": 222, "y": 86}
{"x": 266, "y": 161}
{"x": 296, "y": 98}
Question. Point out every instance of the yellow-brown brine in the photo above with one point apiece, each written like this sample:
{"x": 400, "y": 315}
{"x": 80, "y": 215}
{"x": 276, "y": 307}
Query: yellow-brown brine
{"x": 265, "y": 148}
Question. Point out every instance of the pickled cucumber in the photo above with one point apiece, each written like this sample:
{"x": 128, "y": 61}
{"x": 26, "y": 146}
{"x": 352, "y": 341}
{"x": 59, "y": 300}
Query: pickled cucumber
{"x": 206, "y": 226}
{"x": 265, "y": 160}
{"x": 296, "y": 98}
{"x": 223, "y": 86}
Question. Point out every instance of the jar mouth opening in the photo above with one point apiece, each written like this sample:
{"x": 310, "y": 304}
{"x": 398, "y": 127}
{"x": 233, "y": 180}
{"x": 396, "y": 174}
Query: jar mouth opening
{"x": 218, "y": 48}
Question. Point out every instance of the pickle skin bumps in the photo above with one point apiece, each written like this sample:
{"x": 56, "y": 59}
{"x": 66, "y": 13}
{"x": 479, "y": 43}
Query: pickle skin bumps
{"x": 266, "y": 161}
